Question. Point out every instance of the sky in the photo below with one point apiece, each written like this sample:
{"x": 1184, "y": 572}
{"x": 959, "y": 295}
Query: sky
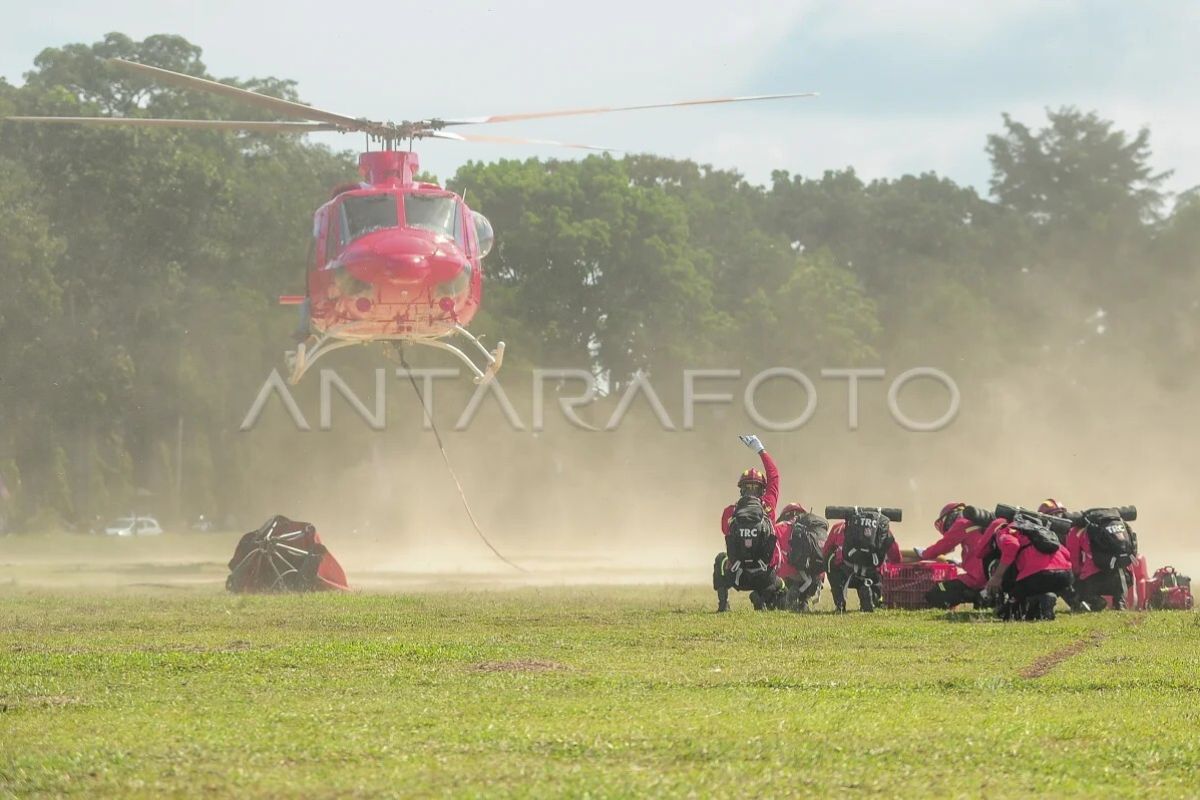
{"x": 905, "y": 87}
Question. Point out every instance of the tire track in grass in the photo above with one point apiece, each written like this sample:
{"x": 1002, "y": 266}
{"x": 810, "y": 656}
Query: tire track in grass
{"x": 1043, "y": 664}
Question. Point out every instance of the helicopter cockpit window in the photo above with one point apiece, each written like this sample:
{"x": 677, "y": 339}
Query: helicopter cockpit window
{"x": 365, "y": 213}
{"x": 432, "y": 213}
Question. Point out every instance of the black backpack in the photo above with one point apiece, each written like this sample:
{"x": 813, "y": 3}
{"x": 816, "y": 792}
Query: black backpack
{"x": 868, "y": 539}
{"x": 1038, "y": 534}
{"x": 1114, "y": 544}
{"x": 751, "y": 538}
{"x": 807, "y": 543}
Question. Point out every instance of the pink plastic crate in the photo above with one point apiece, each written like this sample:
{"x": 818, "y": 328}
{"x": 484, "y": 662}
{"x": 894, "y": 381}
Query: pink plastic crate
{"x": 905, "y": 585}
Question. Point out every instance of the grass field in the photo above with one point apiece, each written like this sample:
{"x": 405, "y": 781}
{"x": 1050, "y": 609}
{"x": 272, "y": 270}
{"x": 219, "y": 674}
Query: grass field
{"x": 582, "y": 692}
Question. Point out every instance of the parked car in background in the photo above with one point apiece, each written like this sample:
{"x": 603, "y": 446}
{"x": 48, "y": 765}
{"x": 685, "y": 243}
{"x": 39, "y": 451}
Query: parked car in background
{"x": 134, "y": 526}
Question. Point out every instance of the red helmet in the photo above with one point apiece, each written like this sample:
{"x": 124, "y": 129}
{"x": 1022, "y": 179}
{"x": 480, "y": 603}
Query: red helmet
{"x": 946, "y": 516}
{"x": 1052, "y": 507}
{"x": 752, "y": 477}
{"x": 791, "y": 510}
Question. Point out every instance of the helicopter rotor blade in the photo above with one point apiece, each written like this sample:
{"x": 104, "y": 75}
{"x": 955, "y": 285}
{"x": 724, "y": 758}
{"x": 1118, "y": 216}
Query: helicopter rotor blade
{"x": 279, "y": 106}
{"x": 474, "y": 137}
{"x": 609, "y": 109}
{"x": 202, "y": 124}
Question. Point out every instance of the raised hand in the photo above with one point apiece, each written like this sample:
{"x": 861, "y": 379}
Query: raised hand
{"x": 752, "y": 441}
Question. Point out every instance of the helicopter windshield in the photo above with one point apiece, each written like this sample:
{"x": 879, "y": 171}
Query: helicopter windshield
{"x": 432, "y": 213}
{"x": 365, "y": 213}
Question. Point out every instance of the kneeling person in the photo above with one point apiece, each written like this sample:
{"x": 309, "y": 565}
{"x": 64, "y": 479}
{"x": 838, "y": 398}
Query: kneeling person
{"x": 854, "y": 550}
{"x": 750, "y": 543}
{"x": 1103, "y": 548}
{"x": 1034, "y": 568}
{"x": 801, "y": 537}
{"x": 746, "y": 564}
{"x": 957, "y": 531}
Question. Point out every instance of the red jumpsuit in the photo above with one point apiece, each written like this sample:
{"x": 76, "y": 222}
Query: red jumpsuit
{"x": 1080, "y": 548}
{"x": 1091, "y": 581}
{"x": 843, "y": 576}
{"x": 783, "y": 545}
{"x": 1041, "y": 578}
{"x": 770, "y": 498}
{"x": 1015, "y": 547}
{"x": 971, "y": 538}
{"x": 722, "y": 580}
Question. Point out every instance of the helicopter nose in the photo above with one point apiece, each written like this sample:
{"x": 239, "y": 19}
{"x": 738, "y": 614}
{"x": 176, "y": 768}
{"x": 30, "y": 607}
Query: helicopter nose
{"x": 403, "y": 256}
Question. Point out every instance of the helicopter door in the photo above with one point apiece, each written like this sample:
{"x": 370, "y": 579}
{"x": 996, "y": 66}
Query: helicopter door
{"x": 332, "y": 233}
{"x": 460, "y": 229}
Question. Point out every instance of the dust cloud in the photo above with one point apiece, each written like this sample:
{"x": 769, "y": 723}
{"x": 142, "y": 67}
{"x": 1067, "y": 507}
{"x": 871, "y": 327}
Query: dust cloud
{"x": 642, "y": 503}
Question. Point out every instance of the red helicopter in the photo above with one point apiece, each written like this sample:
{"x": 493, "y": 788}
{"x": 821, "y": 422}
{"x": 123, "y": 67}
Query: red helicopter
{"x": 393, "y": 259}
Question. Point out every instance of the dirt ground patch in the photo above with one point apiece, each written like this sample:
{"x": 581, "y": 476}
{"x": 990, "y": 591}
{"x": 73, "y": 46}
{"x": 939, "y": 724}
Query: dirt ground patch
{"x": 42, "y": 701}
{"x": 1044, "y": 664}
{"x": 519, "y": 665}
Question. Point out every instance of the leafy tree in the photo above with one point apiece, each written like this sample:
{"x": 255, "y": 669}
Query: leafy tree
{"x": 600, "y": 268}
{"x": 1077, "y": 172}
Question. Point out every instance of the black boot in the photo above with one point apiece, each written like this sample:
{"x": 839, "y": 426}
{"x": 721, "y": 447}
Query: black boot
{"x": 866, "y": 599}
{"x": 838, "y": 590}
{"x": 722, "y": 600}
{"x": 1046, "y": 603}
{"x": 1007, "y": 610}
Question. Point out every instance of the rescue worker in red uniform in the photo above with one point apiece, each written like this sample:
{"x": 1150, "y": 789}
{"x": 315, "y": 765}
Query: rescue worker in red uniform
{"x": 802, "y": 569}
{"x": 765, "y": 587}
{"x": 864, "y": 579}
{"x": 1094, "y": 579}
{"x": 1052, "y": 508}
{"x": 1032, "y": 578}
{"x": 957, "y": 531}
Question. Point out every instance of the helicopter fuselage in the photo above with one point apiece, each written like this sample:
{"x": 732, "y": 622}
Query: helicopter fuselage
{"x": 393, "y": 258}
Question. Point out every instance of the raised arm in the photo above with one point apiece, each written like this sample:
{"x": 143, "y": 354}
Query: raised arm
{"x": 771, "y": 495}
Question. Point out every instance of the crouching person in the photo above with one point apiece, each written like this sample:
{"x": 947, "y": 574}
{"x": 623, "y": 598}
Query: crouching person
{"x": 853, "y": 552}
{"x": 747, "y": 564}
{"x": 1034, "y": 569}
{"x": 1103, "y": 548}
{"x": 801, "y": 537}
{"x": 957, "y": 530}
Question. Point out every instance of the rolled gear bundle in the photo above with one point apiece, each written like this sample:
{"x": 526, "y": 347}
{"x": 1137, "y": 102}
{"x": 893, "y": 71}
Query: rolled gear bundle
{"x": 284, "y": 556}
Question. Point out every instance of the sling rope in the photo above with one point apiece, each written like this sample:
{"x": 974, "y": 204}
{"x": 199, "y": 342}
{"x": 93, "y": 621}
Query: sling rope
{"x": 428, "y": 412}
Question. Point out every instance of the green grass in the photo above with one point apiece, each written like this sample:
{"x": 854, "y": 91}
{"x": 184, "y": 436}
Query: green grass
{"x": 580, "y": 692}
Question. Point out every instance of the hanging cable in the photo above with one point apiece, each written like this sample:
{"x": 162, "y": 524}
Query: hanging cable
{"x": 428, "y": 412}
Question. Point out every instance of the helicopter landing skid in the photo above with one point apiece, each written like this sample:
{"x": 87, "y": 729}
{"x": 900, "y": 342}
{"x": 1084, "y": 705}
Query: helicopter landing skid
{"x": 493, "y": 359}
{"x": 303, "y": 357}
{"x": 299, "y": 360}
